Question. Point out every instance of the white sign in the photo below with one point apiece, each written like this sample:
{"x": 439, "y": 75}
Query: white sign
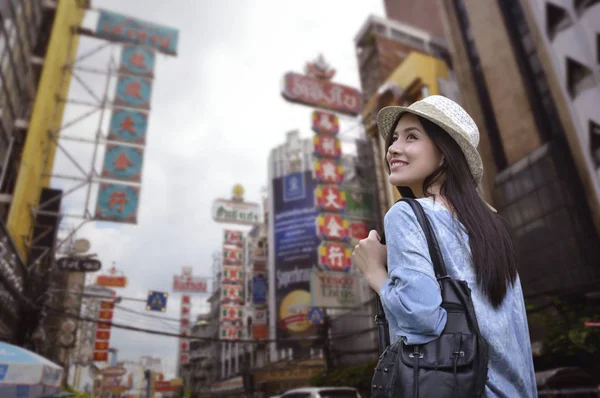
{"x": 232, "y": 212}
{"x": 333, "y": 289}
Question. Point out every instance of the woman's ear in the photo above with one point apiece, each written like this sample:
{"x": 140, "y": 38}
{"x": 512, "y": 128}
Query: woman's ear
{"x": 442, "y": 162}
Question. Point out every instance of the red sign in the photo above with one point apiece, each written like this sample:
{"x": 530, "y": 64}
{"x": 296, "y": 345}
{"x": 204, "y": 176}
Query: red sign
{"x": 231, "y": 313}
{"x": 325, "y": 123}
{"x": 234, "y": 293}
{"x": 335, "y": 256}
{"x": 327, "y": 146}
{"x": 103, "y": 326}
{"x": 105, "y": 315}
{"x": 102, "y": 335}
{"x": 591, "y": 324}
{"x": 233, "y": 273}
{"x": 165, "y": 386}
{"x": 329, "y": 198}
{"x": 329, "y": 171}
{"x": 107, "y": 305}
{"x": 101, "y": 346}
{"x": 111, "y": 281}
{"x": 323, "y": 94}
{"x": 100, "y": 356}
{"x": 359, "y": 230}
{"x": 233, "y": 238}
{"x": 332, "y": 227}
{"x": 184, "y": 358}
{"x": 260, "y": 332}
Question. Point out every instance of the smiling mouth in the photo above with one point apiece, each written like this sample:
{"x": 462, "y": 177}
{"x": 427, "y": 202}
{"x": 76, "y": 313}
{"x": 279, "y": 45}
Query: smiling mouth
{"x": 396, "y": 164}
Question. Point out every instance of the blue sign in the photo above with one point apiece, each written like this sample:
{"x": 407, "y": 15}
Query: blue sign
{"x": 3, "y": 371}
{"x": 293, "y": 187}
{"x": 23, "y": 391}
{"x": 259, "y": 289}
{"x": 316, "y": 315}
{"x": 133, "y": 92}
{"x": 119, "y": 27}
{"x": 157, "y": 301}
{"x": 118, "y": 203}
{"x": 136, "y": 60}
{"x": 128, "y": 125}
{"x": 123, "y": 163}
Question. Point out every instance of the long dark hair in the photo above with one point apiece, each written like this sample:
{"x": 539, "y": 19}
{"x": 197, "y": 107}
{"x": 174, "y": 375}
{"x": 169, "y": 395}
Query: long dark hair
{"x": 492, "y": 249}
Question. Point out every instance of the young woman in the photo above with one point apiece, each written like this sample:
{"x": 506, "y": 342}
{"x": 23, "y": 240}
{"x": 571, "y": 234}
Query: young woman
{"x": 432, "y": 155}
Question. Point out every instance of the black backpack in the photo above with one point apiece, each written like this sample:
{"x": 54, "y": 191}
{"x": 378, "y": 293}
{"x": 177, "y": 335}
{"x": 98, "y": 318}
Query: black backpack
{"x": 455, "y": 364}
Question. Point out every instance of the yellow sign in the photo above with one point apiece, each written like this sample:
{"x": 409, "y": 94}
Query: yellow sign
{"x": 284, "y": 375}
{"x": 238, "y": 192}
{"x": 294, "y": 311}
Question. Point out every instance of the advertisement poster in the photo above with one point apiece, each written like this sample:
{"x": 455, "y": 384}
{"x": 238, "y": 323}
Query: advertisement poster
{"x": 296, "y": 247}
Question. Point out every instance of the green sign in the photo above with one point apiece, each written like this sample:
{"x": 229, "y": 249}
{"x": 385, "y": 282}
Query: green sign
{"x": 359, "y": 204}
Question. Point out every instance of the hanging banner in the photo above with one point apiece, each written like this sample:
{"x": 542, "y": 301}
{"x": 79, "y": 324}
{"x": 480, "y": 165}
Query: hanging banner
{"x": 123, "y": 163}
{"x": 319, "y": 93}
{"x": 133, "y": 92}
{"x": 233, "y": 256}
{"x": 328, "y": 171}
{"x": 259, "y": 289}
{"x": 137, "y": 61}
{"x": 327, "y": 146}
{"x": 335, "y": 256}
{"x": 128, "y": 125}
{"x": 233, "y": 238}
{"x": 329, "y": 198}
{"x": 359, "y": 205}
{"x": 184, "y": 329}
{"x": 231, "y": 332}
{"x": 119, "y": 27}
{"x": 232, "y": 293}
{"x": 335, "y": 290}
{"x": 118, "y": 203}
{"x": 332, "y": 227}
{"x": 325, "y": 123}
{"x": 231, "y": 313}
{"x": 233, "y": 274}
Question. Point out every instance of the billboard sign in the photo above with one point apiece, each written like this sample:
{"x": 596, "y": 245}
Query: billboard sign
{"x": 128, "y": 125}
{"x": 231, "y": 332}
{"x": 260, "y": 329}
{"x": 111, "y": 280}
{"x": 329, "y": 171}
{"x": 233, "y": 293}
{"x": 319, "y": 93}
{"x": 235, "y": 212}
{"x": 118, "y": 203}
{"x": 133, "y": 92}
{"x": 137, "y": 61}
{"x": 184, "y": 328}
{"x": 233, "y": 238}
{"x": 359, "y": 230}
{"x": 259, "y": 289}
{"x": 295, "y": 246}
{"x": 329, "y": 198}
{"x": 190, "y": 284}
{"x": 233, "y": 256}
{"x": 327, "y": 146}
{"x": 123, "y": 163}
{"x": 335, "y": 290}
{"x": 325, "y": 123}
{"x": 119, "y": 27}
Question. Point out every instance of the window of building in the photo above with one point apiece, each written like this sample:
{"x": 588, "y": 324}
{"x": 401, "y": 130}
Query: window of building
{"x": 579, "y": 77}
{"x": 582, "y": 5}
{"x": 557, "y": 19}
{"x": 595, "y": 142}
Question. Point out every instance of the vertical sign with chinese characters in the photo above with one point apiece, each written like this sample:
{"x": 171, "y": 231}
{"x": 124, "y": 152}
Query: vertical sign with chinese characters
{"x": 232, "y": 286}
{"x": 101, "y": 344}
{"x": 185, "y": 330}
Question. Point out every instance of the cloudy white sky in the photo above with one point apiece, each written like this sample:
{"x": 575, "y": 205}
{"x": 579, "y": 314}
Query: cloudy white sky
{"x": 216, "y": 113}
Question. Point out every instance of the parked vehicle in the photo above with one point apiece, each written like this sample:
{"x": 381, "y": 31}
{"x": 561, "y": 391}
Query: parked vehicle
{"x": 322, "y": 392}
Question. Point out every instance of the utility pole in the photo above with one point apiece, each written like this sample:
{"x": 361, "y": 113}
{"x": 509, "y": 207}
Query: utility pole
{"x": 327, "y": 344}
{"x": 148, "y": 377}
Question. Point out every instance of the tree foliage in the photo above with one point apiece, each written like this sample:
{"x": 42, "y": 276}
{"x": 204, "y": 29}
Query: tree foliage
{"x": 357, "y": 376}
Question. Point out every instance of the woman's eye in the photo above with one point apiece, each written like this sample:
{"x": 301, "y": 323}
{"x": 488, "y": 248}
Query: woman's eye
{"x": 411, "y": 137}
{"x": 394, "y": 138}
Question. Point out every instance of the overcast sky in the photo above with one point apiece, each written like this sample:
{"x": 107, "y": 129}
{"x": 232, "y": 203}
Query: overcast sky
{"x": 216, "y": 113}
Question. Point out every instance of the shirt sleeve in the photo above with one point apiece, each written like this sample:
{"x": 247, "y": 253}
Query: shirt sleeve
{"x": 411, "y": 295}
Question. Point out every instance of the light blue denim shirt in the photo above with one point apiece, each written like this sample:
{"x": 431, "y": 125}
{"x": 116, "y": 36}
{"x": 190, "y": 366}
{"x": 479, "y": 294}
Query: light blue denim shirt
{"x": 411, "y": 297}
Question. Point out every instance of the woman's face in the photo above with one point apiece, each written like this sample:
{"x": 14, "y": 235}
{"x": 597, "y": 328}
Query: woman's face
{"x": 412, "y": 155}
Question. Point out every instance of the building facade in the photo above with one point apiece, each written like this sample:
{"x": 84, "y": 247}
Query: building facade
{"x": 36, "y": 42}
{"x": 536, "y": 128}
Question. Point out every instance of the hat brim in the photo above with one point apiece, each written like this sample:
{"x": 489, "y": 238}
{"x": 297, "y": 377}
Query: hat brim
{"x": 389, "y": 116}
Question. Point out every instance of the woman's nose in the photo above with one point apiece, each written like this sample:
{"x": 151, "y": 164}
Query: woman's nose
{"x": 395, "y": 148}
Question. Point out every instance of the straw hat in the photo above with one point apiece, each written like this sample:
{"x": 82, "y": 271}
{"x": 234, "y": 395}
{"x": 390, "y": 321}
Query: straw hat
{"x": 447, "y": 114}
